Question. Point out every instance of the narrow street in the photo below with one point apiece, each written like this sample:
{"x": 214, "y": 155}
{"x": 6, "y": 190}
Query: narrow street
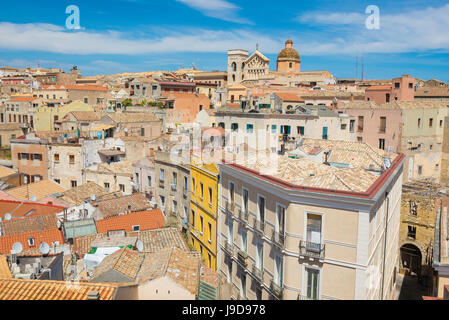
{"x": 409, "y": 288}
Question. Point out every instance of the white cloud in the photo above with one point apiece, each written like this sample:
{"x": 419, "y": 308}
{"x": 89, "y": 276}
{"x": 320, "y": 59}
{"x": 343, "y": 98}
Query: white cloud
{"x": 410, "y": 31}
{"x": 51, "y": 38}
{"x": 220, "y": 9}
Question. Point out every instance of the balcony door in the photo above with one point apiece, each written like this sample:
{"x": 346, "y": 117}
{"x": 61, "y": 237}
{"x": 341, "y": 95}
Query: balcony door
{"x": 314, "y": 225}
{"x": 261, "y": 209}
{"x": 259, "y": 255}
{"x": 312, "y": 284}
{"x": 245, "y": 200}
{"x": 279, "y": 226}
{"x": 278, "y": 268}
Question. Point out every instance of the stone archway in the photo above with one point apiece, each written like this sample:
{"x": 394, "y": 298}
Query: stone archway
{"x": 411, "y": 258}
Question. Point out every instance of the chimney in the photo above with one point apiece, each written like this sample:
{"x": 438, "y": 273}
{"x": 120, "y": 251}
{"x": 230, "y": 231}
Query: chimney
{"x": 326, "y": 157}
{"x": 93, "y": 295}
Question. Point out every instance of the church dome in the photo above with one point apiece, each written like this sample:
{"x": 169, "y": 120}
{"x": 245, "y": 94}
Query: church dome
{"x": 288, "y": 53}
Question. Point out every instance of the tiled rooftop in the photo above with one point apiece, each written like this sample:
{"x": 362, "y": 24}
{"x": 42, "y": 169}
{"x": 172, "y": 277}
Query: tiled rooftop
{"x": 125, "y": 261}
{"x": 77, "y": 195}
{"x": 146, "y": 220}
{"x": 28, "y": 209}
{"x": 4, "y": 171}
{"x": 115, "y": 206}
{"x": 159, "y": 239}
{"x": 38, "y": 189}
{"x": 5, "y": 273}
{"x": 133, "y": 117}
{"x": 308, "y": 172}
{"x": 19, "y": 289}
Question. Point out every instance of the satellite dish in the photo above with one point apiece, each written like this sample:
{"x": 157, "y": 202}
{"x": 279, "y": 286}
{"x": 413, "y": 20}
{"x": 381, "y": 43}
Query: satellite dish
{"x": 33, "y": 198}
{"x": 17, "y": 248}
{"x": 58, "y": 223}
{"x": 8, "y": 216}
{"x": 44, "y": 248}
{"x": 139, "y": 246}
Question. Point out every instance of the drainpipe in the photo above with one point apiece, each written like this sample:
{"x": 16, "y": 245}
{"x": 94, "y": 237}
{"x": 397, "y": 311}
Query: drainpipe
{"x": 385, "y": 245}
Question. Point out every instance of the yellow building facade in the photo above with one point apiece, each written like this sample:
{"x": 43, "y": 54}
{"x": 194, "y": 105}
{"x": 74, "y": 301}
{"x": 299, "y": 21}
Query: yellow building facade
{"x": 204, "y": 211}
{"x": 46, "y": 116}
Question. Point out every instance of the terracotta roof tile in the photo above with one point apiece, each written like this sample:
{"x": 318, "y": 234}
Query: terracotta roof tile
{"x": 125, "y": 261}
{"x": 5, "y": 273}
{"x": 146, "y": 220}
{"x": 27, "y": 209}
{"x": 115, "y": 206}
{"x": 19, "y": 289}
{"x": 38, "y": 189}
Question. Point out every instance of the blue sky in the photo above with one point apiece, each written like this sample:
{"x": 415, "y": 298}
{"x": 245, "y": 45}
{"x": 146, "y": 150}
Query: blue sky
{"x": 144, "y": 35}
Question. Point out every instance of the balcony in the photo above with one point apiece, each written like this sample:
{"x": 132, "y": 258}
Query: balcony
{"x": 279, "y": 239}
{"x": 311, "y": 249}
{"x": 229, "y": 208}
{"x": 243, "y": 216}
{"x": 173, "y": 187}
{"x": 229, "y": 248}
{"x": 259, "y": 226}
{"x": 242, "y": 258}
{"x": 276, "y": 289}
{"x": 257, "y": 273}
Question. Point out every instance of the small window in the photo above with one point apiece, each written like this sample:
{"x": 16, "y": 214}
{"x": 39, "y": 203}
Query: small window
{"x": 71, "y": 159}
{"x": 430, "y": 123}
{"x": 210, "y": 195}
{"x": 31, "y": 242}
{"x": 410, "y": 85}
{"x": 419, "y": 122}
{"x": 202, "y": 190}
{"x": 73, "y": 182}
{"x": 441, "y": 123}
{"x": 413, "y": 208}
{"x": 122, "y": 187}
{"x": 397, "y": 85}
{"x": 136, "y": 228}
{"x": 411, "y": 232}
{"x": 420, "y": 170}
{"x": 106, "y": 186}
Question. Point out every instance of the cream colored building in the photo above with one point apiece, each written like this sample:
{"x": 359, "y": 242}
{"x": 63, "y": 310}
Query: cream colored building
{"x": 303, "y": 229}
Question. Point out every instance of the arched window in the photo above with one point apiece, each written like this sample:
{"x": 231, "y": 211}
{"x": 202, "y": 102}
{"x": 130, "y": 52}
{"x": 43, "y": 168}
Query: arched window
{"x": 291, "y": 65}
{"x": 234, "y": 67}
{"x": 243, "y": 66}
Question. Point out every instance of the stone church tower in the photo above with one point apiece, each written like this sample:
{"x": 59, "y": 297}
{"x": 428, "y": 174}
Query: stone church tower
{"x": 289, "y": 59}
{"x": 236, "y": 66}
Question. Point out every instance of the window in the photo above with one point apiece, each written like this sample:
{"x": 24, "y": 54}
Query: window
{"x": 86, "y": 100}
{"x": 71, "y": 159}
{"x": 73, "y": 182}
{"x": 24, "y": 156}
{"x": 230, "y": 231}
{"x": 175, "y": 205}
{"x": 278, "y": 270}
{"x": 244, "y": 240}
{"x": 312, "y": 284}
{"x": 175, "y": 179}
{"x": 420, "y": 170}
{"x": 185, "y": 184}
{"x": 234, "y": 127}
{"x": 149, "y": 181}
{"x": 300, "y": 130}
{"x": 419, "y": 122}
{"x": 245, "y": 199}
{"x": 36, "y": 156}
{"x": 441, "y": 123}
{"x": 229, "y": 270}
{"x": 209, "y": 225}
{"x": 201, "y": 224}
{"x": 343, "y": 126}
{"x": 192, "y": 219}
{"x": 360, "y": 124}
{"x": 397, "y": 85}
{"x": 411, "y": 232}
{"x": 57, "y": 181}
{"x": 210, "y": 195}
{"x": 387, "y": 97}
{"x": 122, "y": 187}
{"x": 142, "y": 132}
{"x": 162, "y": 176}
{"x": 280, "y": 219}
{"x": 231, "y": 192}
{"x": 410, "y": 85}
{"x": 351, "y": 125}
{"x": 243, "y": 284}
{"x": 261, "y": 208}
{"x": 273, "y": 128}
{"x": 106, "y": 186}
{"x": 382, "y": 144}
{"x": 249, "y": 128}
{"x": 31, "y": 242}
{"x": 136, "y": 228}
{"x": 413, "y": 209}
{"x": 383, "y": 125}
{"x": 202, "y": 190}
{"x": 430, "y": 123}
{"x": 259, "y": 255}
{"x": 290, "y": 65}
{"x": 324, "y": 133}
{"x": 314, "y": 230}
{"x": 162, "y": 199}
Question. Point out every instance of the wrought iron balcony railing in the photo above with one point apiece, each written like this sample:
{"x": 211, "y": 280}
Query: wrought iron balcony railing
{"x": 257, "y": 273}
{"x": 229, "y": 248}
{"x": 278, "y": 239}
{"x": 311, "y": 249}
{"x": 243, "y": 216}
{"x": 242, "y": 258}
{"x": 276, "y": 289}
{"x": 259, "y": 226}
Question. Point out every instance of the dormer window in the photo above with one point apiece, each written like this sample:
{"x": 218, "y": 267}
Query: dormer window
{"x": 31, "y": 242}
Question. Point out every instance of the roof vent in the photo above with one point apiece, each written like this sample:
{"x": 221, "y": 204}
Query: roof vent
{"x": 93, "y": 295}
